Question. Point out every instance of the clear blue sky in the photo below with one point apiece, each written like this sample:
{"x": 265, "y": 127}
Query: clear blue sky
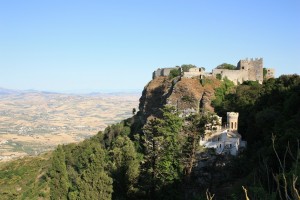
{"x": 91, "y": 45}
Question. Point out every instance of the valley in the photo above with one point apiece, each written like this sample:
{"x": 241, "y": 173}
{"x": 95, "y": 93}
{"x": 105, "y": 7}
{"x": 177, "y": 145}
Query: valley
{"x": 35, "y": 122}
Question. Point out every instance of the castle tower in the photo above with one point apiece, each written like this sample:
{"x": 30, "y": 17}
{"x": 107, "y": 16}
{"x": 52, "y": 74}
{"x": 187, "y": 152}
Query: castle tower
{"x": 254, "y": 68}
{"x": 232, "y": 121}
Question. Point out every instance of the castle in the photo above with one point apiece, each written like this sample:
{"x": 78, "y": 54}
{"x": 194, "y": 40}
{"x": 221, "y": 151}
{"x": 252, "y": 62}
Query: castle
{"x": 225, "y": 140}
{"x": 246, "y": 70}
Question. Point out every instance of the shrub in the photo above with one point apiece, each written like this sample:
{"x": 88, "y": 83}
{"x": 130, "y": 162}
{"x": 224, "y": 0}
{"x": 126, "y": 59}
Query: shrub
{"x": 174, "y": 73}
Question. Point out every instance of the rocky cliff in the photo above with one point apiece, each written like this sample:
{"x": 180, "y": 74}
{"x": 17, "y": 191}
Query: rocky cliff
{"x": 188, "y": 95}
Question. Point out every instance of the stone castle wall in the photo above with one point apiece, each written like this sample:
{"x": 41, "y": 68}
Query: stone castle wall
{"x": 194, "y": 72}
{"x": 270, "y": 73}
{"x": 254, "y": 68}
{"x": 161, "y": 72}
{"x": 247, "y": 70}
{"x": 236, "y": 76}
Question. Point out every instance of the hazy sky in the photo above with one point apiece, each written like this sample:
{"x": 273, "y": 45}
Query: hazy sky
{"x": 87, "y": 45}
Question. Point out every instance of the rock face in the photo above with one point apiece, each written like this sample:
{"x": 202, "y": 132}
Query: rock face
{"x": 188, "y": 95}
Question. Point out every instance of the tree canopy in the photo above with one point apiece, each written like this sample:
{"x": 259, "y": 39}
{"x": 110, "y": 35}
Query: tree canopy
{"x": 226, "y": 66}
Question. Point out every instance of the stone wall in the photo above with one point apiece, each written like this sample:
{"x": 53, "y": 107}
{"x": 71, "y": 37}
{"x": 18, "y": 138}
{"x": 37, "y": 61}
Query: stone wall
{"x": 156, "y": 73}
{"x": 194, "y": 72}
{"x": 270, "y": 73}
{"x": 236, "y": 76}
{"x": 254, "y": 68}
{"x": 162, "y": 72}
{"x": 247, "y": 70}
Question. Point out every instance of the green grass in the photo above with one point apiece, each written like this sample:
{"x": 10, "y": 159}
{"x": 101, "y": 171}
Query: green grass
{"x": 25, "y": 178}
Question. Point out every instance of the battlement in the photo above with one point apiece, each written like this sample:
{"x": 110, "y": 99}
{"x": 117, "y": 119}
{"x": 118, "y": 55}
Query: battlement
{"x": 246, "y": 70}
{"x": 252, "y": 60}
{"x": 232, "y": 114}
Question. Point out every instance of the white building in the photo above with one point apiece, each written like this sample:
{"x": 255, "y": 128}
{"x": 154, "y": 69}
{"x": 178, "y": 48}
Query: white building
{"x": 225, "y": 141}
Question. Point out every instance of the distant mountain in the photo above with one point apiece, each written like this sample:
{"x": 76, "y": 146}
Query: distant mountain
{"x": 4, "y": 91}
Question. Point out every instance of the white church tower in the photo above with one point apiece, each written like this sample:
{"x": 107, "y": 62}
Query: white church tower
{"x": 232, "y": 121}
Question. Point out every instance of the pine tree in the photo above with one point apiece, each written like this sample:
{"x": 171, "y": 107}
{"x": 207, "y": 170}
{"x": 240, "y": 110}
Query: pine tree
{"x": 126, "y": 165}
{"x": 59, "y": 178}
{"x": 93, "y": 181}
{"x": 162, "y": 151}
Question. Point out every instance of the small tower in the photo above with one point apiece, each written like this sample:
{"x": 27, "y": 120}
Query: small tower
{"x": 232, "y": 121}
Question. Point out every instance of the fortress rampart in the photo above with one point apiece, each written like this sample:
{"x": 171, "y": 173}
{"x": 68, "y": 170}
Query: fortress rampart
{"x": 246, "y": 70}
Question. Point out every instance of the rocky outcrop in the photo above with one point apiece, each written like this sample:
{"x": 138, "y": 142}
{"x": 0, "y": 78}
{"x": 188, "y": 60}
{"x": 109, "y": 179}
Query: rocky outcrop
{"x": 188, "y": 95}
{"x": 154, "y": 96}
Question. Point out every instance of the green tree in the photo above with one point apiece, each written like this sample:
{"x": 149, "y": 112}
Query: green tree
{"x": 59, "y": 178}
{"x": 93, "y": 181}
{"x": 125, "y": 167}
{"x": 174, "y": 73}
{"x": 170, "y": 166}
{"x": 226, "y": 66}
{"x": 219, "y": 76}
{"x": 225, "y": 88}
{"x": 162, "y": 150}
{"x": 153, "y": 142}
{"x": 193, "y": 129}
{"x": 186, "y": 67}
{"x": 265, "y": 71}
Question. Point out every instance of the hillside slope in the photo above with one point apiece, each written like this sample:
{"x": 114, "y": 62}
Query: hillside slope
{"x": 187, "y": 95}
{"x": 25, "y": 178}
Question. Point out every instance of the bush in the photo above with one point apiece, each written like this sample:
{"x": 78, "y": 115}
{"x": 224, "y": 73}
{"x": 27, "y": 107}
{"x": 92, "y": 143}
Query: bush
{"x": 187, "y": 99}
{"x": 226, "y": 66}
{"x": 185, "y": 67}
{"x": 174, "y": 73}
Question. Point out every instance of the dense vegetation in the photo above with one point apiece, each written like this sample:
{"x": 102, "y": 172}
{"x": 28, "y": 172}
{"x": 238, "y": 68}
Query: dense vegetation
{"x": 122, "y": 164}
{"x": 157, "y": 158}
{"x": 25, "y": 178}
{"x": 269, "y": 121}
